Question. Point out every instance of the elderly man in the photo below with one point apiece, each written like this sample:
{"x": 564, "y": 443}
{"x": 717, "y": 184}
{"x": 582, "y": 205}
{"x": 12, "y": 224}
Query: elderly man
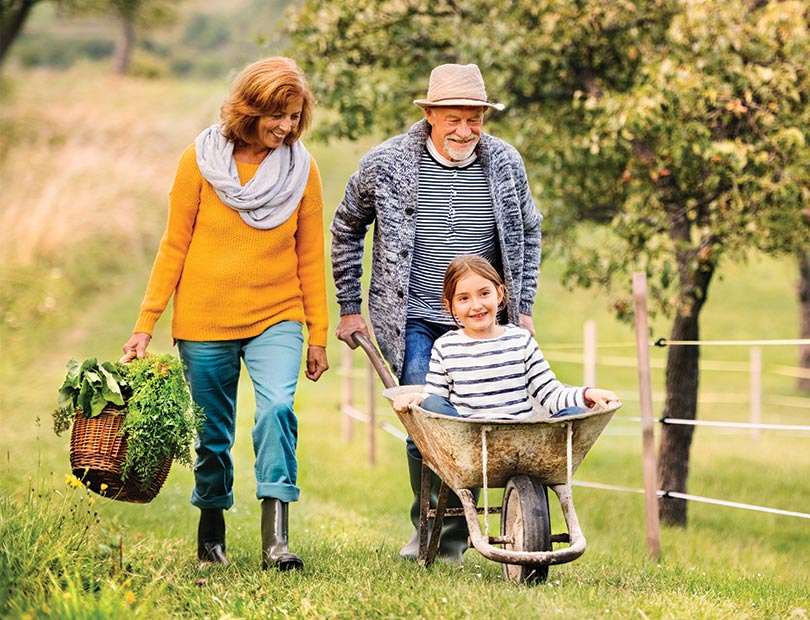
{"x": 441, "y": 189}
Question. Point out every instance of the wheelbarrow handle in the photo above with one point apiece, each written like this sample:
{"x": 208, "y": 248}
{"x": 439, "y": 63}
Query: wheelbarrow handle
{"x": 365, "y": 343}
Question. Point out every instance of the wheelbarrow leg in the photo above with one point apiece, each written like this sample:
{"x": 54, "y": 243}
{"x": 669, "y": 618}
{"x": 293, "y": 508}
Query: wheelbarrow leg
{"x": 430, "y": 537}
{"x": 424, "y": 506}
{"x": 438, "y": 522}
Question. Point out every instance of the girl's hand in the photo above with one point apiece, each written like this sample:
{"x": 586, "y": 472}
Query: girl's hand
{"x": 599, "y": 398}
{"x": 403, "y": 401}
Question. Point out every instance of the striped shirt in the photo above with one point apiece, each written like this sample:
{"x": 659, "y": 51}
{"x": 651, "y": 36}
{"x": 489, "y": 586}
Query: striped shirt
{"x": 503, "y": 377}
{"x": 454, "y": 216}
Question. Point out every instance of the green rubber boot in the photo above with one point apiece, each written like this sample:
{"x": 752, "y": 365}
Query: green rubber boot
{"x": 453, "y": 541}
{"x": 275, "y": 528}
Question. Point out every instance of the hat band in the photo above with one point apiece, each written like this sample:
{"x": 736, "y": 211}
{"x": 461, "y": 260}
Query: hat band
{"x": 483, "y": 101}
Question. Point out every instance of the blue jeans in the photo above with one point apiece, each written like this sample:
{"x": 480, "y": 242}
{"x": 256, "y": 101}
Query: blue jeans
{"x": 419, "y": 338}
{"x": 440, "y": 404}
{"x": 568, "y": 411}
{"x": 273, "y": 362}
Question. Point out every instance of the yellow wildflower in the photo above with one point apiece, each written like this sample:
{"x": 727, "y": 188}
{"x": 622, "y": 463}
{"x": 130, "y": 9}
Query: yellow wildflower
{"x": 72, "y": 481}
{"x": 129, "y": 597}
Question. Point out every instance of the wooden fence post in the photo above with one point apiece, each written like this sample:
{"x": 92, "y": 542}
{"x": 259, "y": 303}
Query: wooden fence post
{"x": 645, "y": 398}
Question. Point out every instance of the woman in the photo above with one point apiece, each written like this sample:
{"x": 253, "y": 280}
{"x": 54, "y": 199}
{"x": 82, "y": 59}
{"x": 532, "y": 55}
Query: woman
{"x": 243, "y": 255}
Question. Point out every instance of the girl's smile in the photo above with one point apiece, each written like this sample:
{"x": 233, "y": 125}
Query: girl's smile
{"x": 475, "y": 302}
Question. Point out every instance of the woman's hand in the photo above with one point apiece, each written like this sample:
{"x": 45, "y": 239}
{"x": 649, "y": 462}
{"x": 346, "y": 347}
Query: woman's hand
{"x": 317, "y": 364}
{"x": 403, "y": 401}
{"x": 599, "y": 398}
{"x": 135, "y": 347}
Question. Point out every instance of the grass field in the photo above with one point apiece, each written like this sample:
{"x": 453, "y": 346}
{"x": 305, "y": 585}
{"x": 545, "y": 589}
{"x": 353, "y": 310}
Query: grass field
{"x": 67, "y": 554}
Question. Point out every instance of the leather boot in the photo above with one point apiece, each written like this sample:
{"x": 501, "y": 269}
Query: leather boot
{"x": 211, "y": 536}
{"x": 454, "y": 536}
{"x": 275, "y": 525}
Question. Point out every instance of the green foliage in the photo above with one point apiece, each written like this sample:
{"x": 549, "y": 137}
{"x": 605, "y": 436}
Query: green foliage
{"x": 90, "y": 386}
{"x": 48, "y": 534}
{"x": 160, "y": 419}
{"x": 204, "y": 32}
{"x": 43, "y": 49}
{"x": 682, "y": 125}
{"x": 146, "y": 13}
{"x": 204, "y": 39}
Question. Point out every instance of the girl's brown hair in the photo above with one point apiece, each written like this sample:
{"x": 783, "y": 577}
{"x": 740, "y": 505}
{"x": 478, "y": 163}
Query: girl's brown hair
{"x": 266, "y": 87}
{"x": 459, "y": 267}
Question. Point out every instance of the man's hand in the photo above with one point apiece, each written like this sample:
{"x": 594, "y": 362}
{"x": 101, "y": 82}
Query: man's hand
{"x": 527, "y": 323}
{"x": 317, "y": 364}
{"x": 348, "y": 324}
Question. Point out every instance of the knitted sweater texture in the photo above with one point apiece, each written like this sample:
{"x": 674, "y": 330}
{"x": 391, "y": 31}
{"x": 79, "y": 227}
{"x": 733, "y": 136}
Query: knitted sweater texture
{"x": 230, "y": 280}
{"x": 383, "y": 191}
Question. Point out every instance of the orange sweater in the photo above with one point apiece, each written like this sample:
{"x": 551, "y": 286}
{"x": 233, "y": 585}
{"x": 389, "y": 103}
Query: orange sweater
{"x": 230, "y": 280}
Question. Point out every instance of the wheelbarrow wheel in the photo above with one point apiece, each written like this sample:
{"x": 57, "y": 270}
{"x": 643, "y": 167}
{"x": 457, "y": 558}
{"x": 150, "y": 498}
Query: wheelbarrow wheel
{"x": 525, "y": 521}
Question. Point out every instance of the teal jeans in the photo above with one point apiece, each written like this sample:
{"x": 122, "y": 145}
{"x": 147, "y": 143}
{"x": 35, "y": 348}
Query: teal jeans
{"x": 273, "y": 362}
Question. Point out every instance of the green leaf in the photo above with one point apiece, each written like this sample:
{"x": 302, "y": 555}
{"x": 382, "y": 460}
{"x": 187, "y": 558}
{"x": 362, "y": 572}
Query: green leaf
{"x": 72, "y": 376}
{"x": 110, "y": 389}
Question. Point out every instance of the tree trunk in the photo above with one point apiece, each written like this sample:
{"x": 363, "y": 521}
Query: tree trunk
{"x": 803, "y": 383}
{"x": 12, "y": 20}
{"x": 682, "y": 378}
{"x": 123, "y": 49}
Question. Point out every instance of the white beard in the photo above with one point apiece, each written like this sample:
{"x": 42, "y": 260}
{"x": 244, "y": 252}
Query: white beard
{"x": 459, "y": 151}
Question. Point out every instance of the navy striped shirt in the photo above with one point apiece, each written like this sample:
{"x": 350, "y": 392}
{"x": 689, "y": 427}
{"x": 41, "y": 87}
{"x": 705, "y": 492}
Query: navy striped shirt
{"x": 503, "y": 377}
{"x": 454, "y": 216}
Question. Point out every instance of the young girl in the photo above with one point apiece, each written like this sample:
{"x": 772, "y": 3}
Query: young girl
{"x": 486, "y": 370}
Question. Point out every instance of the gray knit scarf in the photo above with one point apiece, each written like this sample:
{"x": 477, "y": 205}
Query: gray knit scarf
{"x": 271, "y": 196}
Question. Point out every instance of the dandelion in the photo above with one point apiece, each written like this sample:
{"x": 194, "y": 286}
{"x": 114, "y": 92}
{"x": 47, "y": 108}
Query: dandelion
{"x": 129, "y": 597}
{"x": 72, "y": 481}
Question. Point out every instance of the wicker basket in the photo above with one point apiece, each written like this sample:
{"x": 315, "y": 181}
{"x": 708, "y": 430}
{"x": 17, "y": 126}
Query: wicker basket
{"x": 97, "y": 453}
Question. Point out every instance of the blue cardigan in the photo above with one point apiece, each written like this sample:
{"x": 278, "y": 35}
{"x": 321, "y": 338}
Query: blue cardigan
{"x": 383, "y": 191}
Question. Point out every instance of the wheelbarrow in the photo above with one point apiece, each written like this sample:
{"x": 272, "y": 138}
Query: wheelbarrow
{"x": 524, "y": 457}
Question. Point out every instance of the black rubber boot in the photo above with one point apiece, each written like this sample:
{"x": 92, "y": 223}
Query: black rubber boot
{"x": 275, "y": 525}
{"x": 211, "y": 536}
{"x": 454, "y": 536}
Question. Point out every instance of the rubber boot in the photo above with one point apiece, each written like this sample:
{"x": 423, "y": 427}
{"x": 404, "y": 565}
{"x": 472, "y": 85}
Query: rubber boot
{"x": 454, "y": 536}
{"x": 275, "y": 525}
{"x": 211, "y": 536}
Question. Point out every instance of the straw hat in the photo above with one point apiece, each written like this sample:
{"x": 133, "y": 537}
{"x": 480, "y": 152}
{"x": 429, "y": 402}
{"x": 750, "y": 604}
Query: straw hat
{"x": 456, "y": 85}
